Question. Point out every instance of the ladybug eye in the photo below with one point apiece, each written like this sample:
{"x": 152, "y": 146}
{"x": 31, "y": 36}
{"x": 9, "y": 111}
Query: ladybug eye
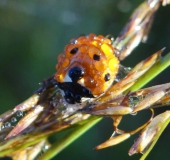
{"x": 74, "y": 50}
{"x": 96, "y": 57}
{"x": 75, "y": 73}
{"x": 107, "y": 77}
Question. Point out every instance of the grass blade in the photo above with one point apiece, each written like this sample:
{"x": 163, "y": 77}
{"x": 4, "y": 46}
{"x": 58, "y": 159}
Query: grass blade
{"x": 69, "y": 138}
{"x": 151, "y": 73}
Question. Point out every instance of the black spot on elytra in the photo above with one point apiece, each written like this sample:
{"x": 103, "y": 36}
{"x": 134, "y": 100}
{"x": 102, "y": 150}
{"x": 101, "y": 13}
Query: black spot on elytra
{"x": 107, "y": 77}
{"x": 96, "y": 57}
{"x": 74, "y": 50}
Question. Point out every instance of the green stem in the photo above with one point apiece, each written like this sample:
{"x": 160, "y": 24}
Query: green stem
{"x": 151, "y": 73}
{"x": 68, "y": 139}
{"x": 78, "y": 131}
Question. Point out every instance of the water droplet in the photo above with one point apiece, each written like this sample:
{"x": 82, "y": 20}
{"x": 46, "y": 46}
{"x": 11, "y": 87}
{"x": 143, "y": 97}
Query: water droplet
{"x": 19, "y": 113}
{"x": 134, "y": 113}
{"x": 46, "y": 147}
{"x": 118, "y": 78}
{"x": 2, "y": 127}
{"x": 133, "y": 100}
{"x": 13, "y": 119}
{"x": 127, "y": 69}
{"x": 34, "y": 107}
{"x": 65, "y": 104}
{"x": 60, "y": 101}
{"x": 7, "y": 125}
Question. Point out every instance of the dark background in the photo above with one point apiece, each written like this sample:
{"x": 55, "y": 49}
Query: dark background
{"x": 33, "y": 33}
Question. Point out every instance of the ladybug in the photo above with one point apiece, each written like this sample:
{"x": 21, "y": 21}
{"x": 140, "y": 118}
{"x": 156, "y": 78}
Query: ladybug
{"x": 87, "y": 68}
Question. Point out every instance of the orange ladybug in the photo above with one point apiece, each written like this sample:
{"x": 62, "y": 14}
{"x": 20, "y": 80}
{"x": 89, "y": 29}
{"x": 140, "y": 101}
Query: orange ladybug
{"x": 87, "y": 68}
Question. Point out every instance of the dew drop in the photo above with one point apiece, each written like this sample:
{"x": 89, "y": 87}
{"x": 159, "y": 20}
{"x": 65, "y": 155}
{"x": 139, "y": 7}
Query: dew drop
{"x": 127, "y": 69}
{"x": 13, "y": 119}
{"x": 19, "y": 113}
{"x": 118, "y": 78}
{"x": 2, "y": 127}
{"x": 32, "y": 107}
{"x": 65, "y": 104}
{"x": 7, "y": 125}
{"x": 134, "y": 113}
{"x": 133, "y": 100}
{"x": 46, "y": 147}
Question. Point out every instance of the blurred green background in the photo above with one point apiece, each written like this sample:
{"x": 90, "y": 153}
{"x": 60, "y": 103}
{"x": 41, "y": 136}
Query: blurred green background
{"x": 34, "y": 32}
